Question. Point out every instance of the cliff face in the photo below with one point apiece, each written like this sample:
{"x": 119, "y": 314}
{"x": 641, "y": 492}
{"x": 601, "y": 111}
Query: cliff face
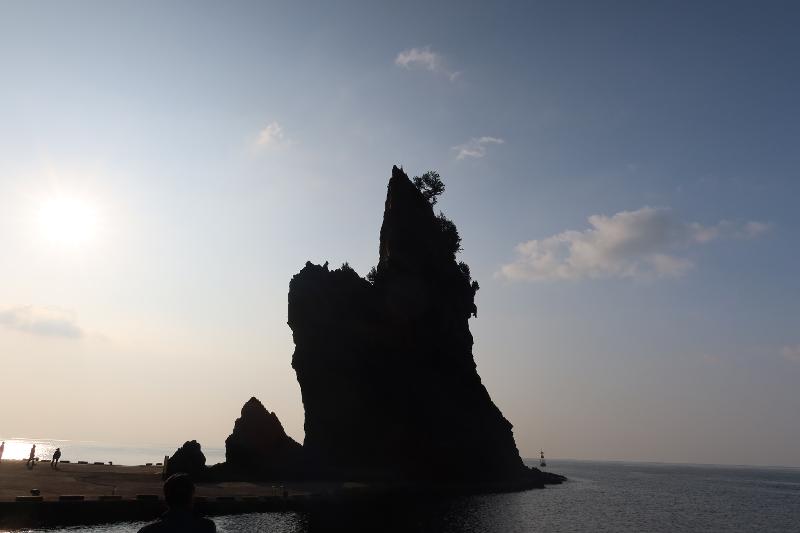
{"x": 259, "y": 447}
{"x": 388, "y": 380}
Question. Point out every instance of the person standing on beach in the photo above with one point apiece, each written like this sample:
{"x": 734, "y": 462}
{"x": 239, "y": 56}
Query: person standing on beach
{"x": 31, "y": 461}
{"x": 2, "y": 449}
{"x": 178, "y": 493}
{"x": 56, "y": 457}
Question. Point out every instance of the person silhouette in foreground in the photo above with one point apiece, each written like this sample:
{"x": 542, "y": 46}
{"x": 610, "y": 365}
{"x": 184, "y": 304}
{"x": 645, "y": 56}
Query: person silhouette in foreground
{"x": 31, "y": 458}
{"x": 178, "y": 492}
{"x": 56, "y": 457}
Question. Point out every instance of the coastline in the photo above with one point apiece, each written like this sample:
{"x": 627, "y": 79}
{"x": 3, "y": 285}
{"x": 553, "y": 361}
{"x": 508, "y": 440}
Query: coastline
{"x": 102, "y": 493}
{"x": 118, "y": 453}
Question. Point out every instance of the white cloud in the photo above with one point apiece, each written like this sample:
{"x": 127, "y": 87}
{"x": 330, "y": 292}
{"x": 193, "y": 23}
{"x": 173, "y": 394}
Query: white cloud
{"x": 426, "y": 59}
{"x": 476, "y": 147}
{"x": 752, "y": 230}
{"x": 791, "y": 353}
{"x": 638, "y": 244}
{"x": 43, "y": 322}
{"x": 271, "y": 135}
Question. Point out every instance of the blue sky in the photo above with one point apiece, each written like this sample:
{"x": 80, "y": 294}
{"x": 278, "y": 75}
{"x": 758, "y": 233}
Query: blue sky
{"x": 220, "y": 146}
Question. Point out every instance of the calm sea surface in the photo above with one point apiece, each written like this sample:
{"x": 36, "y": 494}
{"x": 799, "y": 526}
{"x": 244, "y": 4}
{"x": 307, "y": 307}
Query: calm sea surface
{"x": 600, "y": 496}
{"x": 91, "y": 451}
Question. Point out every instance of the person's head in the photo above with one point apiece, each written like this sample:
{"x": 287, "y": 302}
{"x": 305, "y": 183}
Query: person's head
{"x": 178, "y": 490}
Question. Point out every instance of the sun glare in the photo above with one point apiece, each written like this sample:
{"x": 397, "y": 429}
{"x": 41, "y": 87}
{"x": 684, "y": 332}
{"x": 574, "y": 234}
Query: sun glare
{"x": 68, "y": 221}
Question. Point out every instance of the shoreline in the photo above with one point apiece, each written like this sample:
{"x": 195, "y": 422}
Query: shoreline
{"x": 100, "y": 493}
{"x": 94, "y": 480}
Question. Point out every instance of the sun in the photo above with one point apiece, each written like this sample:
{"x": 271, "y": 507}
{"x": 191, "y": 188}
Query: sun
{"x": 68, "y": 220}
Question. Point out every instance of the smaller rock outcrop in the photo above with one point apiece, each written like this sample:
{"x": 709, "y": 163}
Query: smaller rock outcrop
{"x": 548, "y": 478}
{"x": 188, "y": 459}
{"x": 259, "y": 448}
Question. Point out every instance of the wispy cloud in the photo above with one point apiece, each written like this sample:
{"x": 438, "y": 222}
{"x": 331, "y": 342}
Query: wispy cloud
{"x": 41, "y": 321}
{"x": 640, "y": 244}
{"x": 426, "y": 59}
{"x": 270, "y": 136}
{"x": 476, "y": 146}
{"x": 726, "y": 228}
{"x": 791, "y": 353}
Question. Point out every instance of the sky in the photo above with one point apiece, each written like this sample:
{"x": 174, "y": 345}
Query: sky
{"x": 623, "y": 175}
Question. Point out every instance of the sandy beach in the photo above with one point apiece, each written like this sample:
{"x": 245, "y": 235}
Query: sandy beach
{"x": 92, "y": 481}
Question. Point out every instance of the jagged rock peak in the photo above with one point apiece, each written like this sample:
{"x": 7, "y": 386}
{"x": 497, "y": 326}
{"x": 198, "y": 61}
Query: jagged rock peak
{"x": 409, "y": 238}
{"x": 253, "y": 409}
{"x": 258, "y": 440}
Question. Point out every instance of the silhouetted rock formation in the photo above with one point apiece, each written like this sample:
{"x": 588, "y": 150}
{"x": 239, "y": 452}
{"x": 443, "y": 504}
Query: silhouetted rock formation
{"x": 386, "y": 371}
{"x": 188, "y": 458}
{"x": 259, "y": 448}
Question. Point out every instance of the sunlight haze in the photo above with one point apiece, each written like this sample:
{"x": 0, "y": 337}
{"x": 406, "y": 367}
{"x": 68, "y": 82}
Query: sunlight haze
{"x": 625, "y": 183}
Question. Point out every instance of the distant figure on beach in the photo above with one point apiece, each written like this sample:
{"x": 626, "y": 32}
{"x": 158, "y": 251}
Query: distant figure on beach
{"x": 178, "y": 493}
{"x": 56, "y": 457}
{"x": 2, "y": 449}
{"x": 31, "y": 458}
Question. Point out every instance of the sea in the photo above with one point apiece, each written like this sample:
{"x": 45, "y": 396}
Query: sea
{"x": 106, "y": 452}
{"x": 599, "y": 497}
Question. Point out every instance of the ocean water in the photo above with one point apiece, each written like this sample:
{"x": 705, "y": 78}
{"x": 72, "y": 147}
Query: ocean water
{"x": 91, "y": 451}
{"x": 600, "y": 497}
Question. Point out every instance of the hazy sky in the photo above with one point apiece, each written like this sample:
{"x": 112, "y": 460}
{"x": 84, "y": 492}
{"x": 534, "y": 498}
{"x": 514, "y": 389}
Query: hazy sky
{"x": 624, "y": 176}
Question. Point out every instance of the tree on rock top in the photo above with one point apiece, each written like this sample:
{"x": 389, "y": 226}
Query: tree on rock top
{"x": 430, "y": 185}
